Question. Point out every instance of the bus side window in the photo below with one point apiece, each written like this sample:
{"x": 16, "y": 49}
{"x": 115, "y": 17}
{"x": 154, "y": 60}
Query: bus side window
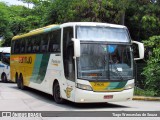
{"x": 38, "y": 42}
{"x": 22, "y": 49}
{"x": 55, "y": 40}
{"x": 13, "y": 47}
{"x": 68, "y": 53}
{"x": 44, "y": 43}
{"x": 38, "y": 48}
{"x": 44, "y": 48}
{"x": 33, "y": 45}
{"x": 56, "y": 48}
{"x": 29, "y": 45}
{"x": 17, "y": 46}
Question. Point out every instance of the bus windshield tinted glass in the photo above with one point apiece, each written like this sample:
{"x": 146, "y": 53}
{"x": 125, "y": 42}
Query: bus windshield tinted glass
{"x": 102, "y": 34}
{"x": 6, "y": 58}
{"x": 105, "y": 62}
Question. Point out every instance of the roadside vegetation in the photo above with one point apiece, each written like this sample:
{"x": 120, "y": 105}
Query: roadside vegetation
{"x": 152, "y": 70}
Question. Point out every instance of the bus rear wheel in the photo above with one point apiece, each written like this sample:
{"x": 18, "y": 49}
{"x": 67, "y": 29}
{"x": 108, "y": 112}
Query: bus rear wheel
{"x": 4, "y": 78}
{"x": 57, "y": 94}
{"x": 20, "y": 84}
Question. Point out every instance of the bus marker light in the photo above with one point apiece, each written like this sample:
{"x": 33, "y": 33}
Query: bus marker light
{"x": 108, "y": 96}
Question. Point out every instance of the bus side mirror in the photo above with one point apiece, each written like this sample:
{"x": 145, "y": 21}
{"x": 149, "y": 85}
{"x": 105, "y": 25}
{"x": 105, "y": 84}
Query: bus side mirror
{"x": 77, "y": 50}
{"x": 138, "y": 50}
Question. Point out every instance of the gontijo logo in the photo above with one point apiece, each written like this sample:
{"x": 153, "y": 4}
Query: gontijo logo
{"x": 25, "y": 59}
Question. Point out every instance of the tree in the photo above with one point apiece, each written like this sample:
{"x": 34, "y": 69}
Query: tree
{"x": 24, "y": 20}
{"x": 17, "y": 20}
{"x": 152, "y": 71}
{"x": 143, "y": 19}
{"x": 86, "y": 10}
{"x": 4, "y": 24}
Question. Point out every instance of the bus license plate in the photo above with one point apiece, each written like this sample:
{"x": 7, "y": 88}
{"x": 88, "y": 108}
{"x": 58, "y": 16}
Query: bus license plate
{"x": 108, "y": 96}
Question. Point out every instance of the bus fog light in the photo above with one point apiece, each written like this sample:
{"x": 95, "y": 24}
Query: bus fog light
{"x": 84, "y": 87}
{"x": 129, "y": 86}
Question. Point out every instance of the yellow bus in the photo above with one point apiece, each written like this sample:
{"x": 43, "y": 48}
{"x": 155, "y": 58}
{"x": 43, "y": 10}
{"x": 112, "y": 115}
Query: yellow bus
{"x": 83, "y": 62}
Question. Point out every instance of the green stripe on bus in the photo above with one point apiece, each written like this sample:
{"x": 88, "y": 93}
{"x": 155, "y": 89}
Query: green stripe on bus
{"x": 121, "y": 85}
{"x": 43, "y": 68}
{"x": 36, "y": 68}
{"x": 116, "y": 85}
{"x": 51, "y": 29}
{"x": 113, "y": 85}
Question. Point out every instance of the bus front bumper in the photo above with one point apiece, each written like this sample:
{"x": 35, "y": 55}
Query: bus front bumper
{"x": 84, "y": 96}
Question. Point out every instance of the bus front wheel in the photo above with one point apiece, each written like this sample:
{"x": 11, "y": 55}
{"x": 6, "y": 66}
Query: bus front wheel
{"x": 4, "y": 78}
{"x": 57, "y": 94}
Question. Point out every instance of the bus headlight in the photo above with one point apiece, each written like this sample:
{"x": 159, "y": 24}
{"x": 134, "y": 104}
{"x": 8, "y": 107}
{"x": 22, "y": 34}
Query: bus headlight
{"x": 129, "y": 86}
{"x": 84, "y": 87}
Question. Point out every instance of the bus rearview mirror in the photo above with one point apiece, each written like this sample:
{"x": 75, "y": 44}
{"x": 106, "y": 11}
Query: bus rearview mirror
{"x": 138, "y": 50}
{"x": 76, "y": 47}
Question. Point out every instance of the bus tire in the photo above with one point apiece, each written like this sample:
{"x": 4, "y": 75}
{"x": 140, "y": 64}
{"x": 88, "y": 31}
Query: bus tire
{"x": 16, "y": 78}
{"x": 4, "y": 78}
{"x": 57, "y": 94}
{"x": 20, "y": 83}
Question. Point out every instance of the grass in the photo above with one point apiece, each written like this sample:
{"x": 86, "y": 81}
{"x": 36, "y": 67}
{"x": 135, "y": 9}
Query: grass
{"x": 141, "y": 92}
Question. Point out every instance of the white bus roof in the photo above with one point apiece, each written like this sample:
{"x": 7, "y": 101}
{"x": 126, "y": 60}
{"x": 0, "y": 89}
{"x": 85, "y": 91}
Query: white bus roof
{"x": 5, "y": 49}
{"x": 92, "y": 24}
{"x": 51, "y": 27}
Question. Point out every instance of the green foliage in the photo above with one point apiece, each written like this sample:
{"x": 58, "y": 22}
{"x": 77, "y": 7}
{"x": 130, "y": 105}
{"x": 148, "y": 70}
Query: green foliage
{"x": 4, "y": 24}
{"x": 86, "y": 10}
{"x": 143, "y": 19}
{"x": 16, "y": 20}
{"x": 3, "y": 18}
{"x": 152, "y": 71}
{"x": 141, "y": 92}
{"x": 141, "y": 16}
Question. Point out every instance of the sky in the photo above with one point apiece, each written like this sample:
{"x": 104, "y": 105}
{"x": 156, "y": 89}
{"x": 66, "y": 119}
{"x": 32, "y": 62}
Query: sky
{"x": 14, "y": 2}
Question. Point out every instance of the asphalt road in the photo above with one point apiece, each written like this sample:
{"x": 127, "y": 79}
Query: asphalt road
{"x": 14, "y": 99}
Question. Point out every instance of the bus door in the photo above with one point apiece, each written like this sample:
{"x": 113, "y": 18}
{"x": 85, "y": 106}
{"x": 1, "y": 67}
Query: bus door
{"x": 69, "y": 63}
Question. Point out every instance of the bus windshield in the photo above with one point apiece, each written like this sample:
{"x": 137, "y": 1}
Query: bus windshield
{"x": 86, "y": 33}
{"x": 6, "y": 58}
{"x": 105, "y": 62}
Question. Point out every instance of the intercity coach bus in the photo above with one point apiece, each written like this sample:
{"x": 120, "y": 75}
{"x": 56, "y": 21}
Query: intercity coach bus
{"x": 83, "y": 62}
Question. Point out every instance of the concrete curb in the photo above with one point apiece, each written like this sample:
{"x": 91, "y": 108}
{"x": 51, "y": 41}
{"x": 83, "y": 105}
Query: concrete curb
{"x": 146, "y": 98}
